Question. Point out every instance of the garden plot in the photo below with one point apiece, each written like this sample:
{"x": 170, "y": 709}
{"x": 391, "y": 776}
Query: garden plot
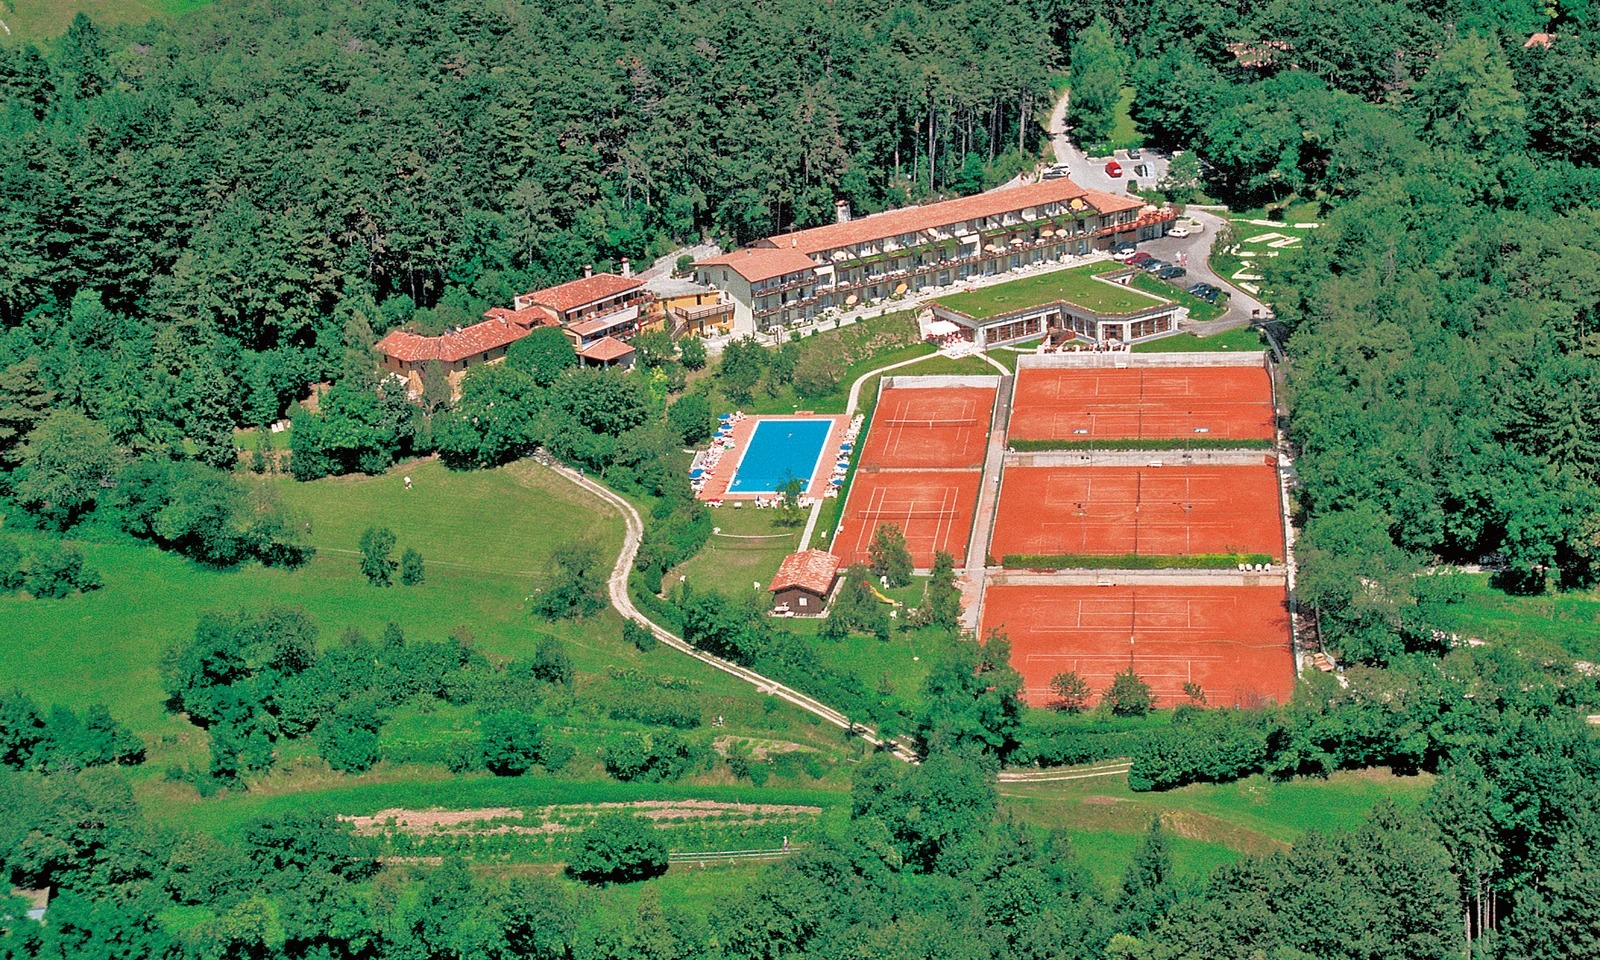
{"x": 1256, "y": 245}
{"x": 547, "y": 833}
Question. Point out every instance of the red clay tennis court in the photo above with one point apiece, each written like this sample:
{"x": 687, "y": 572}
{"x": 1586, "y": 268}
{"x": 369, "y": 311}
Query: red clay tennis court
{"x": 1074, "y": 403}
{"x": 933, "y": 510}
{"x": 929, "y": 428}
{"x": 1232, "y": 641}
{"x": 1150, "y": 511}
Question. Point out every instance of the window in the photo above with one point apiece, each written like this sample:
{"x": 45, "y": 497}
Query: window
{"x": 802, "y": 601}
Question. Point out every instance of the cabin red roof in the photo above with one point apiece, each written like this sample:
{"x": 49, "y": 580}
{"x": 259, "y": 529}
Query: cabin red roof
{"x": 810, "y": 570}
{"x": 605, "y": 350}
{"x": 408, "y": 347}
{"x": 581, "y": 292}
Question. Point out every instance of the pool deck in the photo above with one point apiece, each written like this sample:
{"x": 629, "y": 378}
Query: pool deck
{"x": 716, "y": 488}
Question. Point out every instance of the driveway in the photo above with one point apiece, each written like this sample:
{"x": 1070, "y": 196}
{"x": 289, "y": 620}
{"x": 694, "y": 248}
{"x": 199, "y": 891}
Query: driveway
{"x": 1242, "y": 307}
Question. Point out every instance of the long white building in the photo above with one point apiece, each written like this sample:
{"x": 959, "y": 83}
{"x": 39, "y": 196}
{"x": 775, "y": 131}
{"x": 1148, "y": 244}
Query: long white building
{"x": 793, "y": 277}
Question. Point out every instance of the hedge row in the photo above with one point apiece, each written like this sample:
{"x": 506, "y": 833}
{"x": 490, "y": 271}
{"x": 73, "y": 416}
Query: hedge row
{"x": 1203, "y": 746}
{"x": 1131, "y": 561}
{"x": 1070, "y": 746}
{"x": 1146, "y": 443}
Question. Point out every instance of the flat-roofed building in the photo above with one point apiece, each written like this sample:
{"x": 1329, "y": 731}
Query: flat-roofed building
{"x": 1096, "y": 303}
{"x": 793, "y": 277}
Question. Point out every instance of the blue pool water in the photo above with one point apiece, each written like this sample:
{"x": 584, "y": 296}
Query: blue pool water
{"x": 779, "y": 450}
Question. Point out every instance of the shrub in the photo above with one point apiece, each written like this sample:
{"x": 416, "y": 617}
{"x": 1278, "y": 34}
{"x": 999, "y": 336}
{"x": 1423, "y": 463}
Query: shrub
{"x": 692, "y": 353}
{"x": 377, "y": 562}
{"x": 464, "y": 756}
{"x": 512, "y": 743}
{"x": 639, "y": 635}
{"x": 348, "y": 739}
{"x": 618, "y": 848}
{"x": 649, "y": 758}
{"x": 411, "y": 568}
{"x": 650, "y": 704}
{"x": 57, "y": 570}
{"x": 1129, "y": 696}
{"x": 550, "y": 663}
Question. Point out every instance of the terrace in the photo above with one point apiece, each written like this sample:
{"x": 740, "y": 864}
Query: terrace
{"x": 1078, "y": 286}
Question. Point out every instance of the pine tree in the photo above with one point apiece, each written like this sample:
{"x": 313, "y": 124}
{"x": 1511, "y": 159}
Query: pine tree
{"x": 1148, "y": 889}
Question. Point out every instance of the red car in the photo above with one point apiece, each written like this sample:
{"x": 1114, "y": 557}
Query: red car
{"x": 1139, "y": 258}
{"x": 1113, "y": 169}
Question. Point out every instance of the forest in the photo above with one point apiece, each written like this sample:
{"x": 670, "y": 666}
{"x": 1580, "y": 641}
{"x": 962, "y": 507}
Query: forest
{"x": 201, "y": 218}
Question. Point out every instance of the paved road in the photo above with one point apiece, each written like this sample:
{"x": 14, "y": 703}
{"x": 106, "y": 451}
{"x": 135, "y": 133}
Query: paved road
{"x": 618, "y": 588}
{"x": 1242, "y": 307}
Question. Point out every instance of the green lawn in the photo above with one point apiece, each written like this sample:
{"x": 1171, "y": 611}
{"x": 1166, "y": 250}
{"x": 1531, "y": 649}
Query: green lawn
{"x": 1123, "y": 133}
{"x": 1239, "y": 338}
{"x": 1213, "y": 823}
{"x": 42, "y": 20}
{"x": 1199, "y": 310}
{"x": 1570, "y": 619}
{"x": 1076, "y": 286}
{"x": 484, "y": 534}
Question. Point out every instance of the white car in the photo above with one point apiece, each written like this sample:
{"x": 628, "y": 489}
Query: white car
{"x": 1179, "y": 231}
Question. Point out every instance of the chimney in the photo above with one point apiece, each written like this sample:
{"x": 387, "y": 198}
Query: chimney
{"x": 588, "y": 270}
{"x": 627, "y": 268}
{"x": 841, "y": 211}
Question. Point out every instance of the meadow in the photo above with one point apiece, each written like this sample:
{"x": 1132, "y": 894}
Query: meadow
{"x": 43, "y": 20}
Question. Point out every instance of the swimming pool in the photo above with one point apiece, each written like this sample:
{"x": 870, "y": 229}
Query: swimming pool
{"x": 778, "y": 451}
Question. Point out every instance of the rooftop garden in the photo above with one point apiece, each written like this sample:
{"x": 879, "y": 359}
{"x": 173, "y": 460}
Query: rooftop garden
{"x": 1076, "y": 286}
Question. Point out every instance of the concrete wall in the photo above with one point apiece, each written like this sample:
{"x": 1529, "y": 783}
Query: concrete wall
{"x": 1056, "y": 361}
{"x": 936, "y": 380}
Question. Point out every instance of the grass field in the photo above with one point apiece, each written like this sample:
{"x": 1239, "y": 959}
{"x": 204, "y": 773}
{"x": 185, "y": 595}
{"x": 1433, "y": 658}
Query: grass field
{"x": 1212, "y": 823}
{"x": 1569, "y": 619}
{"x": 1239, "y": 338}
{"x": 1076, "y": 286}
{"x": 485, "y": 536}
{"x": 43, "y": 20}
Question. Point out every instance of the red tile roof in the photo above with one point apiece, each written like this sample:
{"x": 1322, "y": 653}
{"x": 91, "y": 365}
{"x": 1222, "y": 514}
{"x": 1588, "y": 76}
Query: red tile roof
{"x": 605, "y": 350}
{"x": 811, "y": 570}
{"x": 756, "y": 264}
{"x": 581, "y": 292}
{"x": 532, "y": 317}
{"x": 1110, "y": 202}
{"x": 892, "y": 223}
{"x": 408, "y": 347}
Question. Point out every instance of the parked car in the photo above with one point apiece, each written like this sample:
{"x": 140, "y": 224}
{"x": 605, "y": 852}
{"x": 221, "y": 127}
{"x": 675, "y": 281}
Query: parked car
{"x": 1133, "y": 153}
{"x": 1127, "y": 245}
{"x": 1113, "y": 169}
{"x": 1198, "y": 288}
{"x": 1179, "y": 231}
{"x": 1139, "y": 258}
{"x": 1054, "y": 173}
{"x": 1171, "y": 273}
{"x": 1152, "y": 265}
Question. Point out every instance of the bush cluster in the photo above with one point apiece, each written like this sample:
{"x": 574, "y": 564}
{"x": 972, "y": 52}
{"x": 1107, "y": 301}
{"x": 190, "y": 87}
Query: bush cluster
{"x": 49, "y": 571}
{"x": 31, "y": 739}
{"x": 655, "y": 757}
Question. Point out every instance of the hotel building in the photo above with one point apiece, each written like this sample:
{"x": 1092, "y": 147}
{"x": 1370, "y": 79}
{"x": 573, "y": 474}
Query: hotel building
{"x": 796, "y": 276}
